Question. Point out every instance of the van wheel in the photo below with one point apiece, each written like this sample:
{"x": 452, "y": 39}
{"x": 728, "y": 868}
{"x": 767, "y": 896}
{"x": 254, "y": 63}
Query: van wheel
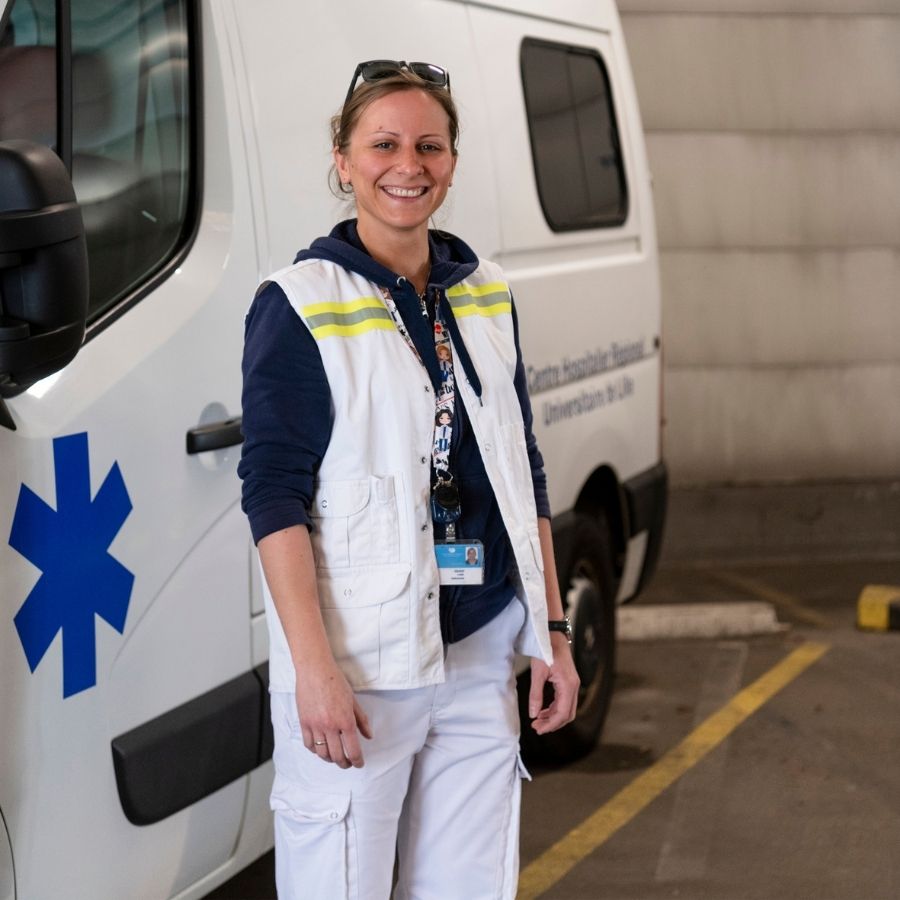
{"x": 587, "y": 583}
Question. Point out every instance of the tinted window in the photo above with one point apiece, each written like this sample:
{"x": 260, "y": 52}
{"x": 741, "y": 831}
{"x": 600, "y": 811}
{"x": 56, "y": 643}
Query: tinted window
{"x": 130, "y": 123}
{"x": 28, "y": 74}
{"x": 574, "y": 142}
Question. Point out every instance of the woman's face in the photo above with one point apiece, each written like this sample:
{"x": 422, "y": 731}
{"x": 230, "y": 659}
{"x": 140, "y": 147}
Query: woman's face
{"x": 399, "y": 161}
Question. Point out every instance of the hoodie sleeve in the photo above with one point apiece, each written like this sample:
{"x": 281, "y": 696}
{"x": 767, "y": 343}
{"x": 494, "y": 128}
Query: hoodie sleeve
{"x": 538, "y": 476}
{"x": 286, "y": 420}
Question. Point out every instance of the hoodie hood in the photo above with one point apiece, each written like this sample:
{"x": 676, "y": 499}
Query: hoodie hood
{"x": 452, "y": 260}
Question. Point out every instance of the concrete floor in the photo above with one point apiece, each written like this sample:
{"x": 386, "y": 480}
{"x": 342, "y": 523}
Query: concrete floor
{"x": 802, "y": 800}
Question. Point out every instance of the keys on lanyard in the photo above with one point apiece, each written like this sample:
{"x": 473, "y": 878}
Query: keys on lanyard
{"x": 445, "y": 505}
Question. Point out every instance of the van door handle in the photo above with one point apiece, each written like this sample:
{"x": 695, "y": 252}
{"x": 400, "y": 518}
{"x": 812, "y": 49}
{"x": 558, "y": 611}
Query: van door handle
{"x": 215, "y": 436}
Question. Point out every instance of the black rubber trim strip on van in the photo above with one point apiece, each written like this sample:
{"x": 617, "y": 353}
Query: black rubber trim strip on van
{"x": 646, "y": 495}
{"x": 186, "y": 754}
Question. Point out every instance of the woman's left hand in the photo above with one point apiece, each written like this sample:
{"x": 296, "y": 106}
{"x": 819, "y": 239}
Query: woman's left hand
{"x": 564, "y": 678}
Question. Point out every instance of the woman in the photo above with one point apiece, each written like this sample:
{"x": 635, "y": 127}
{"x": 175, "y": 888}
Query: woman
{"x": 391, "y": 666}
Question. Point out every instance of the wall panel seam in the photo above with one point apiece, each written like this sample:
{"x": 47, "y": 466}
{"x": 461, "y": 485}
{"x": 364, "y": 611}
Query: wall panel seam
{"x": 817, "y": 367}
{"x": 777, "y": 248}
{"x": 752, "y": 14}
{"x": 816, "y": 133}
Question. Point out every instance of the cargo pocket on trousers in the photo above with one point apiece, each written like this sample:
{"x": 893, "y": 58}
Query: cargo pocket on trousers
{"x": 315, "y": 854}
{"x": 506, "y": 884}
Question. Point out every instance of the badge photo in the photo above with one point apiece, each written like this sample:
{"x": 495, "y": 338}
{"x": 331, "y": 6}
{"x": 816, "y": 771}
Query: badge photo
{"x": 460, "y": 562}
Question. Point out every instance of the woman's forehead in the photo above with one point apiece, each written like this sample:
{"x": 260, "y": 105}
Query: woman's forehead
{"x": 404, "y": 111}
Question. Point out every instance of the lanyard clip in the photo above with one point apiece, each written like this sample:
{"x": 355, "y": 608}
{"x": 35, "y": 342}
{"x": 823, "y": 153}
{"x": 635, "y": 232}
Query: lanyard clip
{"x": 445, "y": 503}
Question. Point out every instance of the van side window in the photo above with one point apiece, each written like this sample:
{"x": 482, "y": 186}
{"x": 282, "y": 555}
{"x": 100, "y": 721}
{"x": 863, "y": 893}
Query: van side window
{"x": 574, "y": 141}
{"x": 130, "y": 126}
{"x": 28, "y": 75}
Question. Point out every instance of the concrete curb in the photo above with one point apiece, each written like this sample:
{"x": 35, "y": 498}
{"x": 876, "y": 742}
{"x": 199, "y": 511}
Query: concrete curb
{"x": 696, "y": 620}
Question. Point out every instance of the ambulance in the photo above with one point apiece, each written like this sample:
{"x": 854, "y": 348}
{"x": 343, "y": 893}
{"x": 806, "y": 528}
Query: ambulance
{"x": 158, "y": 158}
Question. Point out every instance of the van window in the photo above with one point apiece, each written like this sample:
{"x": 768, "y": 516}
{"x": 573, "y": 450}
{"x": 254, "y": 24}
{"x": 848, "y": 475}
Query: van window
{"x": 574, "y": 141}
{"x": 130, "y": 124}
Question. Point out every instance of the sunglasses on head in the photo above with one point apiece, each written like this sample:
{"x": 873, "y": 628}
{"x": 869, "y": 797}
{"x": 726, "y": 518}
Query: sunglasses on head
{"x": 376, "y": 69}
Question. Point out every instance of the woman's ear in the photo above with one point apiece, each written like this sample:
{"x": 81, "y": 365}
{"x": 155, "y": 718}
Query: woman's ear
{"x": 342, "y": 165}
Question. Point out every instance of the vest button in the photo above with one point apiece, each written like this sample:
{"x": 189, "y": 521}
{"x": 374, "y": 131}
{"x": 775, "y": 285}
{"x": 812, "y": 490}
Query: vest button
{"x": 423, "y": 460}
{"x": 487, "y": 448}
{"x": 425, "y": 527}
{"x": 427, "y": 388}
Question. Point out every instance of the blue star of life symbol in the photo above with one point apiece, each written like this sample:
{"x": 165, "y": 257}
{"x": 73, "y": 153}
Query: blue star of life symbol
{"x": 70, "y": 546}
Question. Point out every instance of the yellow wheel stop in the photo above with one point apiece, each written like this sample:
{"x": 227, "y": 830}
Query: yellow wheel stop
{"x": 878, "y": 608}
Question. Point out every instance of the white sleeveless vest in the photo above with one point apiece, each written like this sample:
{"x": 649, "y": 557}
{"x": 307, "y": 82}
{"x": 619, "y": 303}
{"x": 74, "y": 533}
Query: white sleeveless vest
{"x": 372, "y": 533}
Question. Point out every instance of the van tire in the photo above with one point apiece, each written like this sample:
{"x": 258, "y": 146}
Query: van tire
{"x": 588, "y": 587}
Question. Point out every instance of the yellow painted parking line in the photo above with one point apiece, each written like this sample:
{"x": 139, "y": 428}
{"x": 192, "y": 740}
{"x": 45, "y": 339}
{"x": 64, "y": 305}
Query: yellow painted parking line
{"x": 780, "y": 599}
{"x": 565, "y": 854}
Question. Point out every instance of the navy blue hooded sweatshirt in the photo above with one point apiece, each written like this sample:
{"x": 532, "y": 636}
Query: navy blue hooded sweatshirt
{"x": 287, "y": 417}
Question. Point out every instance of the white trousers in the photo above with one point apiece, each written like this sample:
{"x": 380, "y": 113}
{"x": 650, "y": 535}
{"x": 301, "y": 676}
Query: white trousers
{"x": 440, "y": 785}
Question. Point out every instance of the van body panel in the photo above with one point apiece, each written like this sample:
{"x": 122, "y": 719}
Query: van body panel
{"x": 594, "y": 375}
{"x": 7, "y": 866}
{"x": 498, "y": 39}
{"x": 187, "y": 617}
{"x": 594, "y": 14}
{"x": 290, "y": 114}
{"x": 128, "y": 398}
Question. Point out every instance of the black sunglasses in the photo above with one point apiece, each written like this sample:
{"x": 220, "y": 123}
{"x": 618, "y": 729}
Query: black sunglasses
{"x": 376, "y": 69}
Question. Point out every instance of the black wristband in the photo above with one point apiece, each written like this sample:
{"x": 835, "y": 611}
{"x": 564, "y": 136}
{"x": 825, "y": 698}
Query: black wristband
{"x": 562, "y": 625}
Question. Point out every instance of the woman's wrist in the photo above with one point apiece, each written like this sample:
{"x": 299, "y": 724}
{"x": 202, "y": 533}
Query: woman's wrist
{"x": 560, "y": 643}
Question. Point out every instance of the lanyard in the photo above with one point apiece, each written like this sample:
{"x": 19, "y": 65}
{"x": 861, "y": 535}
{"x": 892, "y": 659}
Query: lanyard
{"x": 445, "y": 399}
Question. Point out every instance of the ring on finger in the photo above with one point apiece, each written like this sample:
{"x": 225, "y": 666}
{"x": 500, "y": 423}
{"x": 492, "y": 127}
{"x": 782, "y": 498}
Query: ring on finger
{"x": 320, "y": 743}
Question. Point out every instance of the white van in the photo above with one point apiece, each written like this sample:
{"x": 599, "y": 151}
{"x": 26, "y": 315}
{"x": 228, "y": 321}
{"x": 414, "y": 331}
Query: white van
{"x": 134, "y": 736}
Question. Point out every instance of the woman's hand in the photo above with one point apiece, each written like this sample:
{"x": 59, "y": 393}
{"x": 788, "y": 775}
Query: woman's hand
{"x": 562, "y": 674}
{"x": 331, "y": 718}
{"x": 565, "y": 681}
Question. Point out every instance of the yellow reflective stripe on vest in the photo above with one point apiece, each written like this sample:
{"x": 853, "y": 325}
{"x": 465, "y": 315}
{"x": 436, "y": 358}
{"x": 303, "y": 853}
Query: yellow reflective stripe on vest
{"x": 346, "y": 319}
{"x": 480, "y": 300}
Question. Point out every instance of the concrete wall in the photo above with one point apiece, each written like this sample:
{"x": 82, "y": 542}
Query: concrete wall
{"x": 773, "y": 132}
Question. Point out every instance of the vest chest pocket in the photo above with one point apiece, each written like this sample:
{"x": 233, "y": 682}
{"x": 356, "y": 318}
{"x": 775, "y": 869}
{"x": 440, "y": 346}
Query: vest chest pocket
{"x": 356, "y": 523}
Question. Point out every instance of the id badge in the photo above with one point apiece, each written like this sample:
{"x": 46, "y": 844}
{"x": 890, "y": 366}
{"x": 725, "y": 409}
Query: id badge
{"x": 460, "y": 562}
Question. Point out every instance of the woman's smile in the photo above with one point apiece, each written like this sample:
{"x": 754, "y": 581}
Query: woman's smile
{"x": 405, "y": 193}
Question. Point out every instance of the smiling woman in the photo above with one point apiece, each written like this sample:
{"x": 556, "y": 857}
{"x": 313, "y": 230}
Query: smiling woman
{"x": 382, "y": 374}
{"x": 399, "y": 163}
{"x": 394, "y": 150}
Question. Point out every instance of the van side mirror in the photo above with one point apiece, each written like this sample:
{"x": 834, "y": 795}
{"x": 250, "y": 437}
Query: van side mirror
{"x": 43, "y": 266}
